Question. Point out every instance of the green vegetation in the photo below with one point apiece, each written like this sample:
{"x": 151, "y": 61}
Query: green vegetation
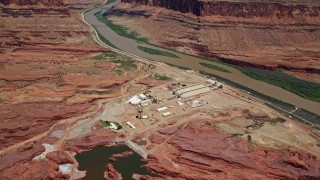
{"x": 237, "y": 134}
{"x": 142, "y": 143}
{"x": 211, "y": 66}
{"x": 104, "y": 55}
{"x": 278, "y": 120}
{"x": 180, "y": 67}
{"x": 118, "y": 71}
{"x": 120, "y": 30}
{"x": 125, "y": 64}
{"x": 104, "y": 40}
{"x": 209, "y": 123}
{"x": 95, "y": 14}
{"x": 105, "y": 123}
{"x": 305, "y": 89}
{"x": 29, "y": 83}
{"x": 98, "y": 92}
{"x": 110, "y": 1}
{"x": 108, "y": 123}
{"x": 257, "y": 125}
{"x": 160, "y": 77}
{"x": 157, "y": 52}
{"x": 250, "y": 143}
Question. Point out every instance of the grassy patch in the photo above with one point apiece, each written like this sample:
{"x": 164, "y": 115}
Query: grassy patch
{"x": 160, "y": 77}
{"x": 120, "y": 30}
{"x": 180, "y": 67}
{"x": 157, "y": 52}
{"x": 98, "y": 92}
{"x": 125, "y": 64}
{"x": 250, "y": 143}
{"x": 104, "y": 40}
{"x": 305, "y": 89}
{"x": 211, "y": 66}
{"x": 278, "y": 120}
{"x": 95, "y": 14}
{"x": 236, "y": 134}
{"x": 108, "y": 124}
{"x": 142, "y": 143}
{"x": 29, "y": 83}
{"x": 104, "y": 55}
{"x": 105, "y": 123}
{"x": 118, "y": 71}
{"x": 209, "y": 123}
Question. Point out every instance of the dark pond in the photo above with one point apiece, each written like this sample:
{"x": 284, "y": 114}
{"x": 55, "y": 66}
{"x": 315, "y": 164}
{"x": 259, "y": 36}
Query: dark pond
{"x": 95, "y": 161}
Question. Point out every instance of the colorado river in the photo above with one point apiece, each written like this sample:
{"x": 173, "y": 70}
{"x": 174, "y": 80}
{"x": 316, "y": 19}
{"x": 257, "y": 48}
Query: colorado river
{"x": 130, "y": 45}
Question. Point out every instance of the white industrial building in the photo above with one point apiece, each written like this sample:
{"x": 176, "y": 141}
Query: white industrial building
{"x": 131, "y": 125}
{"x": 166, "y": 114}
{"x": 211, "y": 81}
{"x": 162, "y": 109}
{"x": 146, "y": 102}
{"x": 113, "y": 126}
{"x": 192, "y": 90}
{"x": 142, "y": 96}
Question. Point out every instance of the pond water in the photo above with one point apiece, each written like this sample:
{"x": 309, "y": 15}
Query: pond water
{"x": 95, "y": 161}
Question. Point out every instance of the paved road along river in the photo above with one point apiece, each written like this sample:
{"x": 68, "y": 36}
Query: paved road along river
{"x": 130, "y": 45}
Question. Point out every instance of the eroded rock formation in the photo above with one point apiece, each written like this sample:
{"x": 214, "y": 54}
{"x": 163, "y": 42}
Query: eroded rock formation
{"x": 264, "y": 34}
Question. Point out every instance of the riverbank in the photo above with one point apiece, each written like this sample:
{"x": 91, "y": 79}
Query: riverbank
{"x": 192, "y": 63}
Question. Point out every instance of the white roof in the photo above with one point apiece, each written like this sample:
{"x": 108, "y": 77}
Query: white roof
{"x": 146, "y": 101}
{"x": 166, "y": 114}
{"x": 135, "y": 100}
{"x": 113, "y": 126}
{"x": 195, "y": 92}
{"x": 211, "y": 81}
{"x": 142, "y": 96}
{"x": 131, "y": 125}
{"x": 190, "y": 88}
{"x": 162, "y": 109}
{"x": 180, "y": 103}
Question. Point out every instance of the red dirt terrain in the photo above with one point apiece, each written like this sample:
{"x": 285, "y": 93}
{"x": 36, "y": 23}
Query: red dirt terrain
{"x": 267, "y": 34}
{"x": 200, "y": 151}
{"x": 49, "y": 77}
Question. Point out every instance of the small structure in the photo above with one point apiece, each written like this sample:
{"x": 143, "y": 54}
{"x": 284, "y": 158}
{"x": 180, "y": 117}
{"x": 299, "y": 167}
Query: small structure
{"x": 131, "y": 125}
{"x": 135, "y": 100}
{"x": 113, "y": 126}
{"x": 180, "y": 103}
{"x": 162, "y": 109}
{"x": 197, "y": 103}
{"x": 191, "y": 90}
{"x": 145, "y": 117}
{"x": 195, "y": 92}
{"x": 140, "y": 111}
{"x": 211, "y": 81}
{"x": 166, "y": 114}
{"x": 146, "y": 102}
{"x": 142, "y": 96}
{"x": 219, "y": 85}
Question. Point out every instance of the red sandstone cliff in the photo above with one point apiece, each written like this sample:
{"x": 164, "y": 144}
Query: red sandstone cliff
{"x": 32, "y": 2}
{"x": 237, "y": 9}
{"x": 268, "y": 34}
